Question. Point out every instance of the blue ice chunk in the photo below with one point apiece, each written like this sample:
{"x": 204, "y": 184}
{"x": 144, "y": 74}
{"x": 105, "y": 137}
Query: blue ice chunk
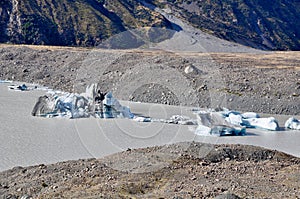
{"x": 292, "y": 123}
{"x": 228, "y": 131}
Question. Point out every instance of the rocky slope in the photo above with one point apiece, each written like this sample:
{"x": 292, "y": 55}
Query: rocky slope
{"x": 72, "y": 23}
{"x": 259, "y": 24}
{"x": 183, "y": 170}
{"x": 264, "y": 83}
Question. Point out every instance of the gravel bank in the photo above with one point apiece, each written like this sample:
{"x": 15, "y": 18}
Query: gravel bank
{"x": 266, "y": 83}
{"x": 245, "y": 171}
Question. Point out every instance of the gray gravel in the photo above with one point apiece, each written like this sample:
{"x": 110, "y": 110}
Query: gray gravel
{"x": 245, "y": 81}
{"x": 233, "y": 171}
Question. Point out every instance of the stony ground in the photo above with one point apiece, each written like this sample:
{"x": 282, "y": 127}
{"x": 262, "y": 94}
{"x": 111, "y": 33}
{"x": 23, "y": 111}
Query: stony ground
{"x": 183, "y": 170}
{"x": 263, "y": 82}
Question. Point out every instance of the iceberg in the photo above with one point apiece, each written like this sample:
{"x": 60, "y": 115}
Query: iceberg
{"x": 269, "y": 123}
{"x": 248, "y": 115}
{"x": 226, "y": 122}
{"x": 73, "y": 105}
{"x": 113, "y": 109}
{"x": 61, "y": 105}
{"x": 212, "y": 123}
{"x": 250, "y": 120}
{"x": 235, "y": 119}
{"x": 292, "y": 123}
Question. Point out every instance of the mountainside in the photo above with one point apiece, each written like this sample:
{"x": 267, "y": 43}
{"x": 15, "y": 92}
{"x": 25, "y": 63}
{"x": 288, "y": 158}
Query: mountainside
{"x": 260, "y": 24}
{"x": 72, "y": 22}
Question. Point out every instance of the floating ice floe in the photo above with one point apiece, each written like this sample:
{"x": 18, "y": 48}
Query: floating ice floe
{"x": 248, "y": 115}
{"x": 231, "y": 122}
{"x": 214, "y": 123}
{"x": 142, "y": 119}
{"x": 73, "y": 105}
{"x": 250, "y": 120}
{"x": 113, "y": 109}
{"x": 269, "y": 123}
{"x": 181, "y": 119}
{"x": 175, "y": 119}
{"x": 6, "y": 81}
{"x": 24, "y": 87}
{"x": 292, "y": 123}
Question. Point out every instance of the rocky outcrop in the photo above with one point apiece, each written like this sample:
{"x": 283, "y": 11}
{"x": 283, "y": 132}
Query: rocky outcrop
{"x": 268, "y": 26}
{"x": 259, "y": 24}
{"x": 72, "y": 23}
{"x": 5, "y": 12}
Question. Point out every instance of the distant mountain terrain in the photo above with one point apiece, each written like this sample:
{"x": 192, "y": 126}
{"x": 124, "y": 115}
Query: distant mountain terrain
{"x": 273, "y": 25}
{"x": 72, "y": 22}
{"x": 260, "y": 24}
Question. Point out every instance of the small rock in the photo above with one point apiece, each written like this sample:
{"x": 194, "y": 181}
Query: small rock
{"x": 227, "y": 196}
{"x": 26, "y": 197}
{"x": 188, "y": 69}
{"x": 10, "y": 197}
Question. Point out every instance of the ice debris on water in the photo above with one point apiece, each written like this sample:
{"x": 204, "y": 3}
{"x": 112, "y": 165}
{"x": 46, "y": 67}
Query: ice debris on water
{"x": 5, "y": 81}
{"x": 24, "y": 87}
{"x": 142, "y": 119}
{"x": 292, "y": 123}
{"x": 214, "y": 123}
{"x": 225, "y": 122}
{"x": 73, "y": 105}
{"x": 251, "y": 120}
{"x": 269, "y": 123}
{"x": 210, "y": 122}
{"x": 182, "y": 120}
{"x": 175, "y": 119}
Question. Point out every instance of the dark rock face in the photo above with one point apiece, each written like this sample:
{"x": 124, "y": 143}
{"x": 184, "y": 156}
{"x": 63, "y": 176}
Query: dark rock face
{"x": 5, "y": 9}
{"x": 259, "y": 24}
{"x": 72, "y": 23}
